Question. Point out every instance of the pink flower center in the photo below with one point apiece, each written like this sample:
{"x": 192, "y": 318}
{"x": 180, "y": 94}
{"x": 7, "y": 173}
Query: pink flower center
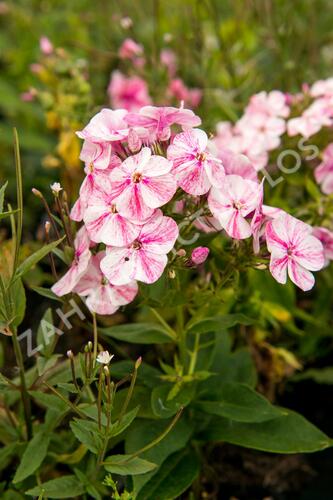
{"x": 201, "y": 157}
{"x": 91, "y": 167}
{"x": 136, "y": 245}
{"x": 136, "y": 177}
{"x": 290, "y": 250}
{"x": 104, "y": 281}
{"x": 238, "y": 205}
{"x": 113, "y": 209}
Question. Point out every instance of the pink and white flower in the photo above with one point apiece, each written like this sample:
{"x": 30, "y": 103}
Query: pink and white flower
{"x": 195, "y": 169}
{"x": 158, "y": 120}
{"x": 233, "y": 203}
{"x": 82, "y": 256}
{"x": 102, "y": 220}
{"x": 96, "y": 154}
{"x": 142, "y": 183}
{"x": 326, "y": 238}
{"x": 107, "y": 126}
{"x": 146, "y": 258}
{"x": 102, "y": 296}
{"x": 324, "y": 171}
{"x": 128, "y": 93}
{"x": 294, "y": 251}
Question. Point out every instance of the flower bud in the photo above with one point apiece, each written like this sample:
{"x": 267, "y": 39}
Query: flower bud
{"x": 199, "y": 255}
{"x": 134, "y": 141}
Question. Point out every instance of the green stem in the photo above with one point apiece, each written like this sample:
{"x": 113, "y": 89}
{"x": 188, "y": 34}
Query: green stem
{"x": 194, "y": 354}
{"x": 159, "y": 438}
{"x": 130, "y": 392}
{"x": 19, "y": 193}
{"x": 95, "y": 341}
{"x": 170, "y": 330}
{"x": 24, "y": 391}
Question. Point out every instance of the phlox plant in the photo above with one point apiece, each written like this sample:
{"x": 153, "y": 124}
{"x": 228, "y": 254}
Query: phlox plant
{"x": 176, "y": 231}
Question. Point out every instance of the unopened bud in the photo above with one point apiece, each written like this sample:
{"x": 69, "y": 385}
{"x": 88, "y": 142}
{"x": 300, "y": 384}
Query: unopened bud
{"x": 106, "y": 371}
{"x": 138, "y": 362}
{"x": 90, "y": 346}
{"x": 37, "y": 193}
{"x": 47, "y": 226}
{"x": 181, "y": 252}
{"x": 199, "y": 255}
{"x": 70, "y": 354}
{"x": 134, "y": 141}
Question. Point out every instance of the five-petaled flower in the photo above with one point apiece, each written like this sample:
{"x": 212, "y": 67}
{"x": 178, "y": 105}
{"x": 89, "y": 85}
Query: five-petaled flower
{"x": 294, "y": 251}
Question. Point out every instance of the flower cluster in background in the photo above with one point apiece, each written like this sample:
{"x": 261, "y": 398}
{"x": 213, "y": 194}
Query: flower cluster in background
{"x": 139, "y": 165}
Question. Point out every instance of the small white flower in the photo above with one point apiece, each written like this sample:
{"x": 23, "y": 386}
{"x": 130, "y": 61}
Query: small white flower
{"x": 56, "y": 187}
{"x": 104, "y": 357}
{"x": 126, "y": 23}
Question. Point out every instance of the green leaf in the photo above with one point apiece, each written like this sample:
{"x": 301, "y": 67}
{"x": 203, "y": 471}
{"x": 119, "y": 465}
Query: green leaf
{"x": 2, "y": 196}
{"x": 241, "y": 403}
{"x": 138, "y": 333}
{"x": 125, "y": 465}
{"x": 143, "y": 432}
{"x": 165, "y": 406}
{"x": 87, "y": 433}
{"x": 62, "y": 487}
{"x": 18, "y": 298}
{"x": 290, "y": 433}
{"x": 46, "y": 292}
{"x": 6, "y": 454}
{"x": 120, "y": 425}
{"x": 33, "y": 456}
{"x": 33, "y": 259}
{"x": 49, "y": 400}
{"x": 218, "y": 323}
{"x": 173, "y": 478}
{"x": 319, "y": 375}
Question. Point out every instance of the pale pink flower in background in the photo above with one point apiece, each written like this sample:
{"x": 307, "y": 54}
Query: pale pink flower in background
{"x": 128, "y": 93}
{"x": 102, "y": 297}
{"x": 107, "y": 126}
{"x": 314, "y": 118}
{"x": 130, "y": 49}
{"x": 142, "y": 183}
{"x": 260, "y": 132}
{"x": 199, "y": 255}
{"x": 322, "y": 88}
{"x": 45, "y": 45}
{"x": 36, "y": 68}
{"x": 158, "y": 120}
{"x": 232, "y": 203}
{"x": 324, "y": 171}
{"x": 78, "y": 267}
{"x": 180, "y": 92}
{"x": 146, "y": 258}
{"x": 126, "y": 22}
{"x": 326, "y": 238}
{"x": 169, "y": 60}
{"x": 28, "y": 96}
{"x": 102, "y": 220}
{"x": 272, "y": 103}
{"x": 194, "y": 167}
{"x": 243, "y": 142}
{"x": 294, "y": 251}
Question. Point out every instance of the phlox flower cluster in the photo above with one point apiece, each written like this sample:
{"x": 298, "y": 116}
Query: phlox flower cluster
{"x": 132, "y": 92}
{"x": 137, "y": 165}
